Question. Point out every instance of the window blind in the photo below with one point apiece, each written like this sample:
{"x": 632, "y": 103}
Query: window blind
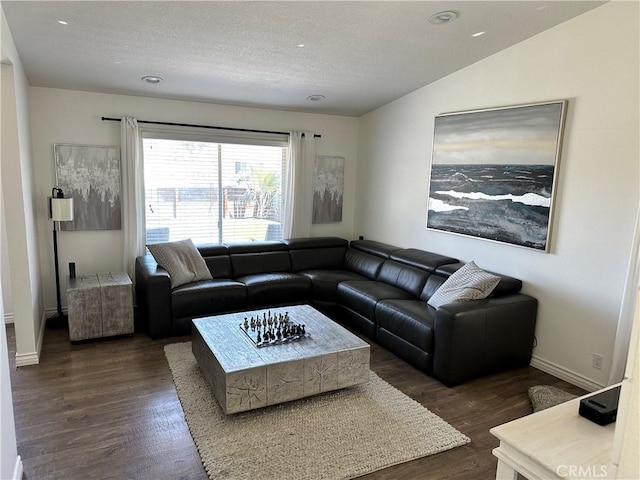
{"x": 211, "y": 190}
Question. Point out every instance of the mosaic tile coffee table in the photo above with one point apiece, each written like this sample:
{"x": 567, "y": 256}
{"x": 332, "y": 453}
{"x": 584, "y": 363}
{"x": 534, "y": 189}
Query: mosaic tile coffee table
{"x": 244, "y": 376}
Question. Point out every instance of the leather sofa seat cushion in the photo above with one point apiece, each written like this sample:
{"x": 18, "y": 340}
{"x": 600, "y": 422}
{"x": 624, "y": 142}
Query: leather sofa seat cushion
{"x": 361, "y": 296}
{"x": 208, "y": 297}
{"x": 325, "y": 282}
{"x": 411, "y": 320}
{"x": 276, "y": 288}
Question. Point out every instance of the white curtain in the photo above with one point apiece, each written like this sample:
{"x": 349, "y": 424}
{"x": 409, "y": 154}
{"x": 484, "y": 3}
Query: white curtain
{"x": 133, "y": 221}
{"x": 627, "y": 310}
{"x": 298, "y": 199}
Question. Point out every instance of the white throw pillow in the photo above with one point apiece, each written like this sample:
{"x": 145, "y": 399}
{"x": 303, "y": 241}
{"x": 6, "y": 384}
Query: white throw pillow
{"x": 469, "y": 282}
{"x": 182, "y": 260}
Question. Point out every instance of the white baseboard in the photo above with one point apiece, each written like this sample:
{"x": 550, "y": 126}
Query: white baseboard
{"x": 565, "y": 374}
{"x": 50, "y": 312}
{"x": 24, "y": 359}
{"x": 18, "y": 470}
{"x": 8, "y": 318}
{"x": 33, "y": 358}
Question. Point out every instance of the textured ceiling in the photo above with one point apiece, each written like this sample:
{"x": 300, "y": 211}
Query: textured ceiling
{"x": 359, "y": 55}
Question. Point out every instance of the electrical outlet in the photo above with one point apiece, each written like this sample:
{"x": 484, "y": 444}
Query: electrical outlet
{"x": 597, "y": 360}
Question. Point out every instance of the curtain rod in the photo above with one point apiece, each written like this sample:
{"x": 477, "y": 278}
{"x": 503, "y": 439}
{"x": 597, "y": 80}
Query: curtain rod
{"x": 171, "y": 124}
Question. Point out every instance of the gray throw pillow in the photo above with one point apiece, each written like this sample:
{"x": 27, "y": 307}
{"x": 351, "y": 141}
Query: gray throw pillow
{"x": 182, "y": 260}
{"x": 469, "y": 282}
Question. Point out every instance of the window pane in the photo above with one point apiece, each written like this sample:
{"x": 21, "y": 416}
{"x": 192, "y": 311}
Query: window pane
{"x": 252, "y": 192}
{"x": 212, "y": 192}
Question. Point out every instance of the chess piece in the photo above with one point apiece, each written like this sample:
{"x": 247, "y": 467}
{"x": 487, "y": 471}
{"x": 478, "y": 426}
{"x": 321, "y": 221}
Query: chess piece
{"x": 246, "y": 324}
{"x": 302, "y": 329}
{"x": 258, "y": 338}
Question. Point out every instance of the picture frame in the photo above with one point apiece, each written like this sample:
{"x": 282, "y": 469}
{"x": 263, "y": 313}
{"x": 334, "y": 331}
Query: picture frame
{"x": 328, "y": 189}
{"x": 494, "y": 173}
{"x": 91, "y": 176}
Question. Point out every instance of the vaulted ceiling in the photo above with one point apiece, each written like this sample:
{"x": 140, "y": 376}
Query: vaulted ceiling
{"x": 357, "y": 55}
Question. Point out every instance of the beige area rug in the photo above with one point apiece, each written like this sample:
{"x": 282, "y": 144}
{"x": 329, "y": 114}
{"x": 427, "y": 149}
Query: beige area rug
{"x": 336, "y": 435}
{"x": 546, "y": 396}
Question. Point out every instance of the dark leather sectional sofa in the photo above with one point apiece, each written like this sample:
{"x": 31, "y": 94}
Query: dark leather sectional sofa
{"x": 377, "y": 289}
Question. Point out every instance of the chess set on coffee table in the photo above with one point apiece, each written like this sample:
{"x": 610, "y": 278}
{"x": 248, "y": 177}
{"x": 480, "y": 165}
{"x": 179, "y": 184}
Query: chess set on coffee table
{"x": 270, "y": 330}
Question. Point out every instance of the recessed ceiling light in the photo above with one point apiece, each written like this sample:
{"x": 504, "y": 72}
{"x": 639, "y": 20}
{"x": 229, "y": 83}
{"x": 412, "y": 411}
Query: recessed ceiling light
{"x": 315, "y": 98}
{"x": 151, "y": 79}
{"x": 441, "y": 18}
{"x": 62, "y": 22}
{"x": 478, "y": 34}
{"x": 301, "y": 45}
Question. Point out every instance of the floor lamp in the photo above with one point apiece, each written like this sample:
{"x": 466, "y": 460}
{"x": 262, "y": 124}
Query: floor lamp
{"x": 60, "y": 210}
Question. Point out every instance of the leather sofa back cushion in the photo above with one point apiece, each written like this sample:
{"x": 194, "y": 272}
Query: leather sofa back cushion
{"x": 315, "y": 242}
{"x": 220, "y": 266}
{"x": 268, "y": 262}
{"x": 407, "y": 278}
{"x": 320, "y": 258}
{"x": 433, "y": 283}
{"x": 362, "y": 263}
{"x": 374, "y": 248}
{"x": 420, "y": 259}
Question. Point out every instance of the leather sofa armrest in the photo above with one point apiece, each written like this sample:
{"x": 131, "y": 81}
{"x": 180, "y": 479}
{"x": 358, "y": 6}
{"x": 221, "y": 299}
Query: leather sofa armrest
{"x": 153, "y": 296}
{"x": 483, "y": 336}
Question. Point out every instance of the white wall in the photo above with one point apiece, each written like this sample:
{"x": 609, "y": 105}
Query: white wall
{"x": 65, "y": 116}
{"x": 592, "y": 61}
{"x": 7, "y": 298}
{"x": 18, "y": 194}
{"x": 10, "y": 463}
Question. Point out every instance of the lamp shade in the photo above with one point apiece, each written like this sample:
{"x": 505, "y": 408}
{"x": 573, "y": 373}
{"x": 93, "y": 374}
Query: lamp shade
{"x": 61, "y": 209}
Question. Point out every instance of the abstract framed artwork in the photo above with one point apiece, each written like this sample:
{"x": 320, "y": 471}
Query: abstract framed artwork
{"x": 91, "y": 176}
{"x": 328, "y": 189}
{"x": 493, "y": 173}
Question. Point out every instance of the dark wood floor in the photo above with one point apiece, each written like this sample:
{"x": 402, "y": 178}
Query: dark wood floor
{"x": 109, "y": 409}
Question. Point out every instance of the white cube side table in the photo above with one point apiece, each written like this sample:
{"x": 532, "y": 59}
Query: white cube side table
{"x": 100, "y": 305}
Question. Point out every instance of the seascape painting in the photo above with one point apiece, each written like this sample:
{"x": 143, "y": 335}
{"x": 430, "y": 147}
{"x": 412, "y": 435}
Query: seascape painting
{"x": 328, "y": 189}
{"x": 91, "y": 176}
{"x": 493, "y": 173}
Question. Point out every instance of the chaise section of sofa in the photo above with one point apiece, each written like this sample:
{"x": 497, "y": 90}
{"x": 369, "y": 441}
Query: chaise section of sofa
{"x": 377, "y": 289}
